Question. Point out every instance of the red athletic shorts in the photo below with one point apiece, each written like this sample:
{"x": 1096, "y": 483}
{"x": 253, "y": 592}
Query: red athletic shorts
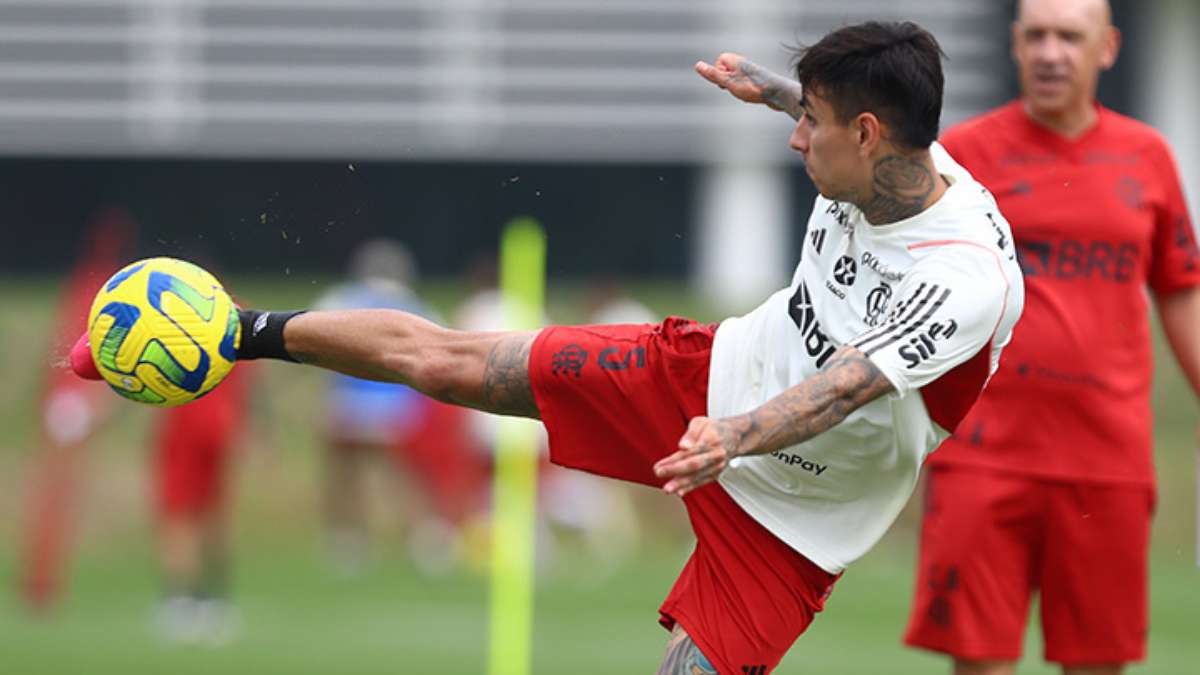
{"x": 615, "y": 399}
{"x": 990, "y": 539}
{"x": 191, "y": 467}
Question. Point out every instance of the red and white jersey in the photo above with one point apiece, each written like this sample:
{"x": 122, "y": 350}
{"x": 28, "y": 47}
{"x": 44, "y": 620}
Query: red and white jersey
{"x": 931, "y": 300}
{"x": 1099, "y": 220}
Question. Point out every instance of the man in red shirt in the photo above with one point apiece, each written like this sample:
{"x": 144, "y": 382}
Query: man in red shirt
{"x": 1048, "y": 483}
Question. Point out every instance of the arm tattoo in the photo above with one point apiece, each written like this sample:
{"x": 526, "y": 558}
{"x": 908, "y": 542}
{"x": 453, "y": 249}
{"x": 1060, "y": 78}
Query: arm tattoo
{"x": 506, "y": 386}
{"x": 899, "y": 189}
{"x": 817, "y": 404}
{"x": 779, "y": 92}
{"x": 683, "y": 657}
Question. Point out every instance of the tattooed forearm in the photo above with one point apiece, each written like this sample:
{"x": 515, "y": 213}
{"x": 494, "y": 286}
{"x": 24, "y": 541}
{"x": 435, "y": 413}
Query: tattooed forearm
{"x": 820, "y": 402}
{"x": 779, "y": 92}
{"x": 900, "y": 189}
{"x": 506, "y": 387}
{"x": 683, "y": 657}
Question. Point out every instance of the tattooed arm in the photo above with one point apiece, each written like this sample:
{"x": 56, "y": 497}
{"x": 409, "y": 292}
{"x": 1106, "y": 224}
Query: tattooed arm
{"x": 820, "y": 402}
{"x": 488, "y": 371}
{"x": 752, "y": 83}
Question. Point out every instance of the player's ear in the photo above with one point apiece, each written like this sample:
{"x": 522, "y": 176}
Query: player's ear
{"x": 1110, "y": 48}
{"x": 868, "y": 132}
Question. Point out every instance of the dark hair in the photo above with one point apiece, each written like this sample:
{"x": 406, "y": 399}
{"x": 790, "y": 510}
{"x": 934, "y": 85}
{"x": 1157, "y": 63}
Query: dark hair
{"x": 893, "y": 70}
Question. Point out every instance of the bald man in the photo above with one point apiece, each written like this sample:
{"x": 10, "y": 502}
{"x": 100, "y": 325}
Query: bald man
{"x": 1048, "y": 483}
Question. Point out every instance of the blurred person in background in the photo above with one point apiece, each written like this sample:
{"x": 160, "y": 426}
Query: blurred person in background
{"x": 608, "y": 302}
{"x": 70, "y": 414}
{"x": 367, "y": 420}
{"x": 193, "y": 447}
{"x": 1048, "y": 484}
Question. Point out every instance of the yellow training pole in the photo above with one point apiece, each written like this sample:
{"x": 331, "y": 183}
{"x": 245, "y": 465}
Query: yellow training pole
{"x": 522, "y": 289}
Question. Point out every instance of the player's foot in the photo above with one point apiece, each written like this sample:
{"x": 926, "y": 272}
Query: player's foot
{"x": 186, "y": 620}
{"x": 217, "y": 621}
{"x": 175, "y": 619}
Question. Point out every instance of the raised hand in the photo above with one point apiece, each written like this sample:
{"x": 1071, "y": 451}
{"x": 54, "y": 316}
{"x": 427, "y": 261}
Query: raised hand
{"x": 728, "y": 73}
{"x": 752, "y": 83}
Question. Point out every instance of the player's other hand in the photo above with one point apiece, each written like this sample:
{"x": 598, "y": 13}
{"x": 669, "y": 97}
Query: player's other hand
{"x": 727, "y": 73}
{"x": 704, "y": 452}
{"x": 81, "y": 360}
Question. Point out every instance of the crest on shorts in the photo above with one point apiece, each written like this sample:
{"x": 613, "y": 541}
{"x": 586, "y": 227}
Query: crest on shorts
{"x": 568, "y": 360}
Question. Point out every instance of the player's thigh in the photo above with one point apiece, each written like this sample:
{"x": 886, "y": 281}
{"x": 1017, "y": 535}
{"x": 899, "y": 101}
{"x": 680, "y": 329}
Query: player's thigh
{"x": 1094, "y": 574}
{"x": 615, "y": 399}
{"x": 744, "y": 596}
{"x": 980, "y": 539}
{"x": 683, "y": 657}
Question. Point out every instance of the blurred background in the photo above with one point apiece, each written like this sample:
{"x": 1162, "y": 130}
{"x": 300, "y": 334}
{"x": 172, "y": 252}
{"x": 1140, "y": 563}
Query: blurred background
{"x": 368, "y": 152}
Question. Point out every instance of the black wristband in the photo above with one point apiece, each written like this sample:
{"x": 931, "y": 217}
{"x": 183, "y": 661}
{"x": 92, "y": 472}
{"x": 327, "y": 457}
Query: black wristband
{"x": 262, "y": 335}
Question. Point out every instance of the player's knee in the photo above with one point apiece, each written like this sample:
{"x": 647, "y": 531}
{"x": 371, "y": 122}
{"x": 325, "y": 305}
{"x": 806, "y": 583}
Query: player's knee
{"x": 963, "y": 667}
{"x": 430, "y": 372}
{"x": 438, "y": 372}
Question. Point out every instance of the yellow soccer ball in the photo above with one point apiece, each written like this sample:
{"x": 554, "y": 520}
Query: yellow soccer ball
{"x": 163, "y": 331}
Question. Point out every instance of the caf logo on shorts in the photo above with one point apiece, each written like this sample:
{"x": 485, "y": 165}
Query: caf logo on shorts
{"x": 845, "y": 270}
{"x": 569, "y": 359}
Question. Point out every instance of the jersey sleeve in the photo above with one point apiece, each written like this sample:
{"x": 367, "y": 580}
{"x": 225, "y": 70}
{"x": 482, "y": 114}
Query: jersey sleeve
{"x": 1176, "y": 258}
{"x": 945, "y": 311}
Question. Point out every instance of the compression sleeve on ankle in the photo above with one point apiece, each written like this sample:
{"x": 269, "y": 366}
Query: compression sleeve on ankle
{"x": 262, "y": 335}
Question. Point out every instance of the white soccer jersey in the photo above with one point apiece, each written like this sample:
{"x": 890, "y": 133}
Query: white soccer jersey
{"x": 931, "y": 300}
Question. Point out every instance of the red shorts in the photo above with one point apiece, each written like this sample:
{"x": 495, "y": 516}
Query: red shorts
{"x": 191, "y": 468}
{"x": 615, "y": 399}
{"x": 989, "y": 539}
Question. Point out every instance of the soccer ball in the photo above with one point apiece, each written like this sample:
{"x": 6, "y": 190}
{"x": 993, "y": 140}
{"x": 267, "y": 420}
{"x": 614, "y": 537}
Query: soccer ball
{"x": 163, "y": 331}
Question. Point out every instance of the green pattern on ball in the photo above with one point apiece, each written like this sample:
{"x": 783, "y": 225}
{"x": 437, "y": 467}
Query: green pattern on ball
{"x": 143, "y": 395}
{"x": 156, "y": 354}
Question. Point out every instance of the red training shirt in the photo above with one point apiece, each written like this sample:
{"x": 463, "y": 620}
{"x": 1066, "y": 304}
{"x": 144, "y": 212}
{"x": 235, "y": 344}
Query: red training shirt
{"x": 1096, "y": 220}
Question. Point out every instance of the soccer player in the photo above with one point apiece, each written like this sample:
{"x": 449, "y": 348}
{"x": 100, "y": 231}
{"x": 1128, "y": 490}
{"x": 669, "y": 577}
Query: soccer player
{"x": 1048, "y": 484}
{"x": 192, "y": 450}
{"x": 365, "y": 419}
{"x": 71, "y": 416}
{"x": 794, "y": 434}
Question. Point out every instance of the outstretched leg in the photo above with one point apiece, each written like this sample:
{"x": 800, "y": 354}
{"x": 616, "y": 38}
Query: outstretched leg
{"x": 488, "y": 371}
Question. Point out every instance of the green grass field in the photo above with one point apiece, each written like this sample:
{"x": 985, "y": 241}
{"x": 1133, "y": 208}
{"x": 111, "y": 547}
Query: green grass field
{"x": 298, "y": 617}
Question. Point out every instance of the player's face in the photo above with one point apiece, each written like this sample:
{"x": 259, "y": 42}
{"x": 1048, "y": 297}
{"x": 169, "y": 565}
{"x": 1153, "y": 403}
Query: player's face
{"x": 830, "y": 149}
{"x": 1060, "y": 47}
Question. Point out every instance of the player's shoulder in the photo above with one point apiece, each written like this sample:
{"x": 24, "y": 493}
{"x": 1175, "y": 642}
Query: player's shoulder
{"x": 1135, "y": 135}
{"x": 971, "y": 227}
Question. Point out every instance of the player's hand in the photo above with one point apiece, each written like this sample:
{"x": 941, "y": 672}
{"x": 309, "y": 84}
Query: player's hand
{"x": 704, "y": 452}
{"x": 727, "y": 73}
{"x": 81, "y": 360}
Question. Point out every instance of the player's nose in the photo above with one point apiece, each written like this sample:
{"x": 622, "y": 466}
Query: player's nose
{"x": 799, "y": 138}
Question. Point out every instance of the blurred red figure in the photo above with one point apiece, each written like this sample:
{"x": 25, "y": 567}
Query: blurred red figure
{"x": 193, "y": 445}
{"x": 1048, "y": 487}
{"x": 71, "y": 410}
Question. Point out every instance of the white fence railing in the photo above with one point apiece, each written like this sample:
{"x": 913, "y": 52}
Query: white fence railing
{"x": 564, "y": 80}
